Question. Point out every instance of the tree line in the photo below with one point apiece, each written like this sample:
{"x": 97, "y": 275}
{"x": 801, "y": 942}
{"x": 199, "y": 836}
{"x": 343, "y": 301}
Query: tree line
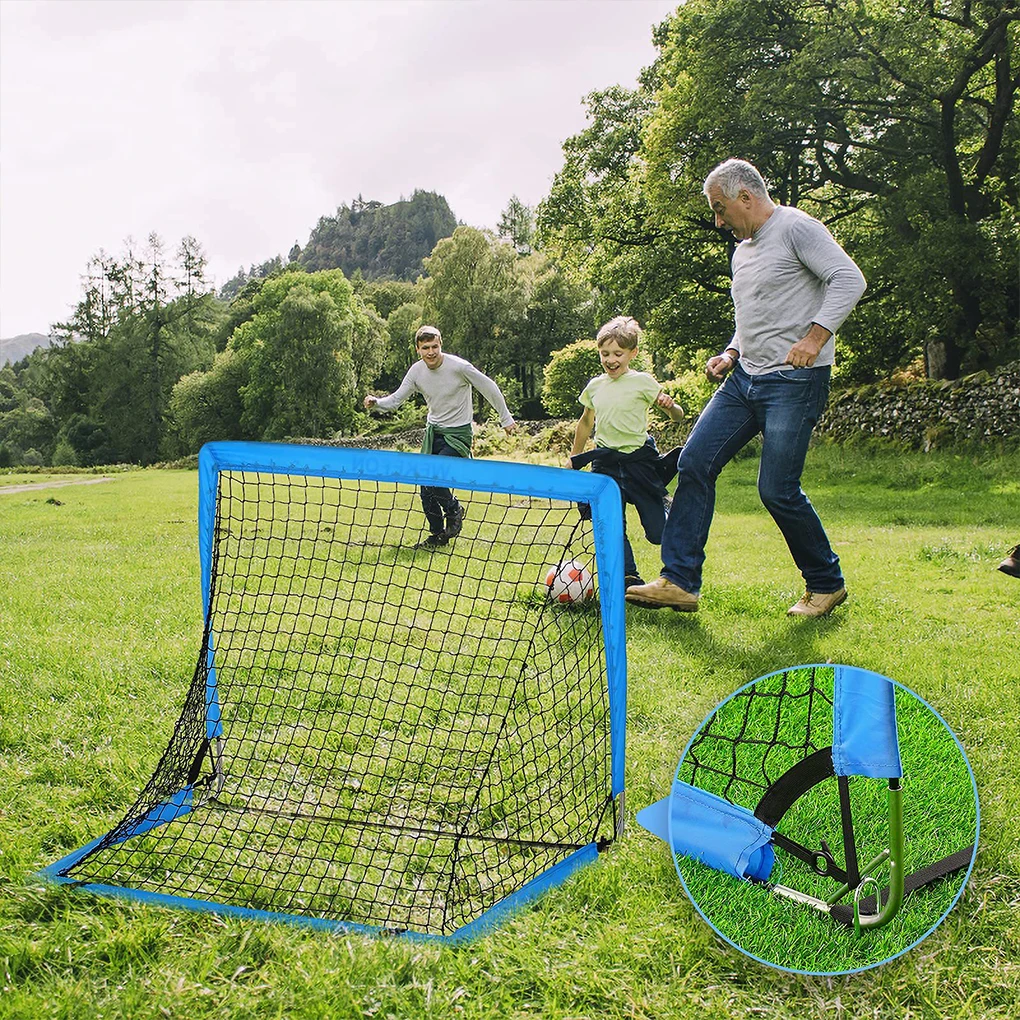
{"x": 152, "y": 363}
{"x": 894, "y": 124}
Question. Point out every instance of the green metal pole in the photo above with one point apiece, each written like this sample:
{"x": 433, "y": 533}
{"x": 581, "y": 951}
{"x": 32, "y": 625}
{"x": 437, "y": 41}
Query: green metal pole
{"x": 896, "y": 870}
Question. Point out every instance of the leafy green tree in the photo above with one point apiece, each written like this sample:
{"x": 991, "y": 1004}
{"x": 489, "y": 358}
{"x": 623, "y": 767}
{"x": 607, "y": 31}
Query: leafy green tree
{"x": 143, "y": 322}
{"x": 567, "y": 373}
{"x": 402, "y": 323}
{"x": 298, "y": 350}
{"x": 27, "y": 426}
{"x": 893, "y": 123}
{"x": 473, "y": 295}
{"x": 386, "y": 295}
{"x": 88, "y": 439}
{"x": 206, "y": 406}
{"x": 517, "y": 225}
{"x": 369, "y": 346}
{"x": 504, "y": 312}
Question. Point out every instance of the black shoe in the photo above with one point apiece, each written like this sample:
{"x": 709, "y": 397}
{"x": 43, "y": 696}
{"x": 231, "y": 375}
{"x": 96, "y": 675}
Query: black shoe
{"x": 631, "y": 579}
{"x": 454, "y": 521}
{"x": 1011, "y": 564}
{"x": 439, "y": 538}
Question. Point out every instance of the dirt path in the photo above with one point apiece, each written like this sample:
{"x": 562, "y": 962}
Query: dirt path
{"x": 51, "y": 485}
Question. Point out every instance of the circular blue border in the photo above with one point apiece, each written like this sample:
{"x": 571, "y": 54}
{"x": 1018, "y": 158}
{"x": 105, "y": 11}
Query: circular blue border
{"x": 959, "y": 892}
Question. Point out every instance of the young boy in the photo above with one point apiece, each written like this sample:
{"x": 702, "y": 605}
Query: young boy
{"x": 446, "y": 382}
{"x": 618, "y": 401}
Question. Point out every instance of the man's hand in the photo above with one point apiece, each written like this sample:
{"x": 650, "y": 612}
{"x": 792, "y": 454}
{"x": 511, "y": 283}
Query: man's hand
{"x": 804, "y": 352}
{"x": 512, "y": 427}
{"x": 719, "y": 367}
{"x": 370, "y": 401}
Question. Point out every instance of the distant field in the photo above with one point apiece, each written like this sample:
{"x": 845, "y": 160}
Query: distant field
{"x": 100, "y": 622}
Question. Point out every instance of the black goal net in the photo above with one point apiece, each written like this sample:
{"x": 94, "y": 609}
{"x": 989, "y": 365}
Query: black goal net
{"x": 382, "y": 732}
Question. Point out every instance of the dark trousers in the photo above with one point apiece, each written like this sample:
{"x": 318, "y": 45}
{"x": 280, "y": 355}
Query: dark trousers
{"x": 639, "y": 476}
{"x": 437, "y": 501}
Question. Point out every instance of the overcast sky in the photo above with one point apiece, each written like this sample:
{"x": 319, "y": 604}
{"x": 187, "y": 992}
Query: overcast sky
{"x": 241, "y": 122}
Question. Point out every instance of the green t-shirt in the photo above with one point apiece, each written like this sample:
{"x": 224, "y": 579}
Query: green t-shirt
{"x": 621, "y": 409}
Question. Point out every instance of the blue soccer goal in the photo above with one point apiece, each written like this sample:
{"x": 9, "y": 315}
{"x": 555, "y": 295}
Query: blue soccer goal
{"x": 378, "y": 736}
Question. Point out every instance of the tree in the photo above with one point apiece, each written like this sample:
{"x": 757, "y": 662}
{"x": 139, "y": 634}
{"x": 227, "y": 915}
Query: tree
{"x": 141, "y": 324}
{"x": 298, "y": 352}
{"x": 206, "y": 406}
{"x": 401, "y": 324}
{"x": 472, "y": 294}
{"x": 517, "y": 225}
{"x": 566, "y": 376}
{"x": 893, "y": 123}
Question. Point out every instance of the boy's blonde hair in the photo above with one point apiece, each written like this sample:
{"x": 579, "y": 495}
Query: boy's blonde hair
{"x": 623, "y": 329}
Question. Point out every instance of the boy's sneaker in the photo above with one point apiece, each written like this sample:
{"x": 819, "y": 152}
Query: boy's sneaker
{"x": 454, "y": 521}
{"x": 435, "y": 539}
{"x": 1011, "y": 564}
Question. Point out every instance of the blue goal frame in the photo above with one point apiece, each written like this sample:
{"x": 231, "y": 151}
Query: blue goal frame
{"x": 527, "y": 480}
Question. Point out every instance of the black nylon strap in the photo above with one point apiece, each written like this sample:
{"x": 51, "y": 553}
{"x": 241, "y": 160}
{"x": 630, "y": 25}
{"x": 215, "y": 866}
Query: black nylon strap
{"x": 844, "y": 912}
{"x": 794, "y": 783}
{"x": 853, "y": 874}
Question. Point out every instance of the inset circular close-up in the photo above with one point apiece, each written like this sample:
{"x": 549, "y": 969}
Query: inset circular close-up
{"x": 823, "y": 819}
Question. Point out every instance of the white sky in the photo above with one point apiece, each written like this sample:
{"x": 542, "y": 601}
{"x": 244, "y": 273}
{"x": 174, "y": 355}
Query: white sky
{"x": 241, "y": 122}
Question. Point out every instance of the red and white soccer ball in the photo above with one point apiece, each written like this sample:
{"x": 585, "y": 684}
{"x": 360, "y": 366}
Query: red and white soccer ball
{"x": 570, "y": 581}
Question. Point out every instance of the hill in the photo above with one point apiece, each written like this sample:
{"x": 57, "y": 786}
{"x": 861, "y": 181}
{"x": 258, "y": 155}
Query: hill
{"x": 17, "y": 347}
{"x": 383, "y": 241}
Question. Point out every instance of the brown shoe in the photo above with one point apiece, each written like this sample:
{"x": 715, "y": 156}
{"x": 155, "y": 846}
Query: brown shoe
{"x": 1011, "y": 564}
{"x": 814, "y": 603}
{"x": 662, "y": 594}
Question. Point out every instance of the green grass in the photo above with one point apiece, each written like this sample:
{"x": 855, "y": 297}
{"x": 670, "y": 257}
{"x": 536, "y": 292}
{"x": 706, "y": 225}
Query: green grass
{"x": 100, "y": 622}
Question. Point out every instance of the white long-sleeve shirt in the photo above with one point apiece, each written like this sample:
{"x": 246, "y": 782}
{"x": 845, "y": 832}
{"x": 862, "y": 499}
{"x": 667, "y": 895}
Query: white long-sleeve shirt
{"x": 791, "y": 273}
{"x": 447, "y": 391}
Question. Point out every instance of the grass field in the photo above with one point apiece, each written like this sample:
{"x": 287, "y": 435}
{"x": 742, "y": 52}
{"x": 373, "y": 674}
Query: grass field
{"x": 100, "y": 622}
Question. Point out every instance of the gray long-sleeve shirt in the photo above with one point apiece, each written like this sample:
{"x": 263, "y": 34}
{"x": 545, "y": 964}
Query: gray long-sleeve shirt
{"x": 447, "y": 391}
{"x": 789, "y": 274}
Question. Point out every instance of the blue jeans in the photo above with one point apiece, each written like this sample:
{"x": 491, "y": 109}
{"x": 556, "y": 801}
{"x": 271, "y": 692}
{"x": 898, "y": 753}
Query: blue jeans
{"x": 783, "y": 406}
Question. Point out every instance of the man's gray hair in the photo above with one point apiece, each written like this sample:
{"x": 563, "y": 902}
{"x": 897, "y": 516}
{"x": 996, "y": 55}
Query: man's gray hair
{"x": 733, "y": 174}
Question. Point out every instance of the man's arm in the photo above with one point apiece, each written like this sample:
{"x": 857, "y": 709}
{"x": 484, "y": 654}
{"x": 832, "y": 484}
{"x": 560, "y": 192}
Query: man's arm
{"x": 398, "y": 396}
{"x": 718, "y": 367}
{"x": 806, "y": 350}
{"x": 492, "y": 394}
{"x": 844, "y": 283}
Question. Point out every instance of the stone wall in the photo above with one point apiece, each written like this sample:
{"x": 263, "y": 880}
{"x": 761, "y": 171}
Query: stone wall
{"x": 923, "y": 415}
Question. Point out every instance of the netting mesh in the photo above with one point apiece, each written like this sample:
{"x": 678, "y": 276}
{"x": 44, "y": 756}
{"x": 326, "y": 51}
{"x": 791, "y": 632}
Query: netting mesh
{"x": 756, "y": 736}
{"x": 375, "y": 733}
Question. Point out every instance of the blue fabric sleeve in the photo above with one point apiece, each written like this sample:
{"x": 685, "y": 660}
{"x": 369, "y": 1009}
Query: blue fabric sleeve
{"x": 864, "y": 741}
{"x": 709, "y": 829}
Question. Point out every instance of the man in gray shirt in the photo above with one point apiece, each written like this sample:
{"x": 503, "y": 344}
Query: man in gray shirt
{"x": 793, "y": 286}
{"x": 446, "y": 382}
